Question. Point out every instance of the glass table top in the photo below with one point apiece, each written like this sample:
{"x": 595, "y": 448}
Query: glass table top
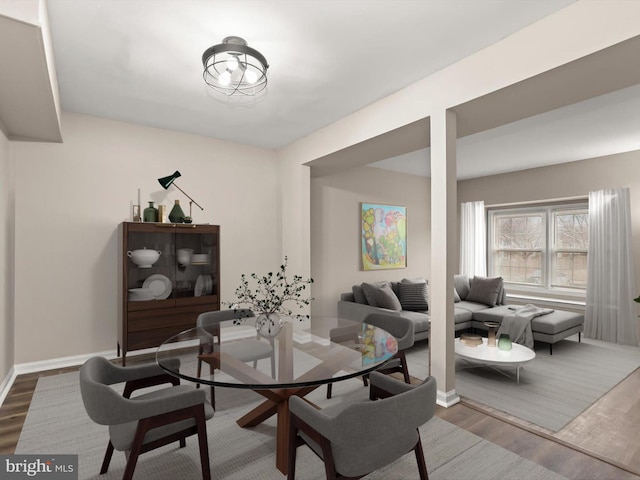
{"x": 306, "y": 352}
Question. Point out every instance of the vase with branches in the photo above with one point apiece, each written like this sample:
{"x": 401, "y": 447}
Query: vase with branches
{"x": 270, "y": 296}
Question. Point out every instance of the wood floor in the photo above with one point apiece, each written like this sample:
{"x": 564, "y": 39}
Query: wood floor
{"x": 607, "y": 433}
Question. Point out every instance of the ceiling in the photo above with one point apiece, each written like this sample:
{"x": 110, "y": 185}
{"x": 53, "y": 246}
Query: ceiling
{"x": 604, "y": 125}
{"x": 140, "y": 62}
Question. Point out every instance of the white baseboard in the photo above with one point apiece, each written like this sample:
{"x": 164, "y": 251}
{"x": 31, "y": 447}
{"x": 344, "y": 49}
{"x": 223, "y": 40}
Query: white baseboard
{"x": 62, "y": 362}
{"x": 76, "y": 360}
{"x": 56, "y": 363}
{"x": 447, "y": 399}
{"x": 6, "y": 384}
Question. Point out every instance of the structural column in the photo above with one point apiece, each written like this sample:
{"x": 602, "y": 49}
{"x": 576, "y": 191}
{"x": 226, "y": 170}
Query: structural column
{"x": 294, "y": 205}
{"x": 444, "y": 241}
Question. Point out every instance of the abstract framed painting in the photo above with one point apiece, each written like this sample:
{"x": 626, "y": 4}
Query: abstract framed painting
{"x": 383, "y": 236}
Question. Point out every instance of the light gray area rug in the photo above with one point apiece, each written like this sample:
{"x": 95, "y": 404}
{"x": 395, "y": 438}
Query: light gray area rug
{"x": 553, "y": 389}
{"x": 57, "y": 423}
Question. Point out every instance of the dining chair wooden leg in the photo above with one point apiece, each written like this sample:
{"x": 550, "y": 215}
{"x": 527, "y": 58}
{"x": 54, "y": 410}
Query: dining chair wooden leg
{"x": 136, "y": 448}
{"x": 203, "y": 444}
{"x": 403, "y": 364}
{"x": 422, "y": 466}
{"x": 199, "y": 370}
{"x": 107, "y": 458}
{"x": 212, "y": 388}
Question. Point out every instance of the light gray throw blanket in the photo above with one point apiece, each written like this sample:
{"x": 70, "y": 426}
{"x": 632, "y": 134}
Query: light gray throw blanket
{"x": 518, "y": 324}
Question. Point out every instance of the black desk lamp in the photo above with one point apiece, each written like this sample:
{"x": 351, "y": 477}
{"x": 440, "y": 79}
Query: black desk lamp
{"x": 166, "y": 182}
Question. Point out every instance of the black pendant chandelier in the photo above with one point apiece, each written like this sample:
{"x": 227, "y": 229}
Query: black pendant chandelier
{"x": 234, "y": 68}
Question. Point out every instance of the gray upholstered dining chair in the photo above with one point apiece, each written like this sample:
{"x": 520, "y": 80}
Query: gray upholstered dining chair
{"x": 402, "y": 329}
{"x": 146, "y": 421}
{"x": 252, "y": 351}
{"x": 355, "y": 439}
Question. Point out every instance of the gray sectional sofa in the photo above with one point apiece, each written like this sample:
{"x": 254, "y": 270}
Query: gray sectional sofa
{"x": 478, "y": 300}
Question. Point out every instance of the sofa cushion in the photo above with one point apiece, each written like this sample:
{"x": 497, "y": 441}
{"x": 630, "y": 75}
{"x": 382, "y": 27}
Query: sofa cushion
{"x": 358, "y": 295}
{"x": 369, "y": 290}
{"x": 556, "y": 322}
{"x": 495, "y": 314}
{"x": 484, "y": 290}
{"x": 387, "y": 299}
{"x": 462, "y": 286}
{"x": 552, "y": 323}
{"x": 413, "y": 296}
{"x": 420, "y": 320}
{"x": 462, "y": 315}
{"x": 347, "y": 297}
{"x": 456, "y": 296}
{"x": 473, "y": 307}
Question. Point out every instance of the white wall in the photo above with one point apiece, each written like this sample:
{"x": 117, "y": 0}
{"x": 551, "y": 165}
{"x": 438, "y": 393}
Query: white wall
{"x": 335, "y": 203}
{"x": 335, "y": 229}
{"x": 71, "y": 197}
{"x": 6, "y": 258}
{"x": 566, "y": 180}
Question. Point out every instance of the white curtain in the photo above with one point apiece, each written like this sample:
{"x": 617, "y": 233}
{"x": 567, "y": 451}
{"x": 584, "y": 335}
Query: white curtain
{"x": 473, "y": 252}
{"x": 611, "y": 285}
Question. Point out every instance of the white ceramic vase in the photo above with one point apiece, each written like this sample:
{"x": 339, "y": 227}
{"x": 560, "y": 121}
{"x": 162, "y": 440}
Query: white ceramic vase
{"x": 268, "y": 325}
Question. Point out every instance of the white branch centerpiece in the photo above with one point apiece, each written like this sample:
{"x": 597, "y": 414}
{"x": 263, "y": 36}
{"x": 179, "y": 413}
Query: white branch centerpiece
{"x": 272, "y": 296}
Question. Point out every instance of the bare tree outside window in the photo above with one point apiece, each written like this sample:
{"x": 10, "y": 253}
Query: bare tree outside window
{"x": 571, "y": 239}
{"x": 518, "y": 244}
{"x": 545, "y": 247}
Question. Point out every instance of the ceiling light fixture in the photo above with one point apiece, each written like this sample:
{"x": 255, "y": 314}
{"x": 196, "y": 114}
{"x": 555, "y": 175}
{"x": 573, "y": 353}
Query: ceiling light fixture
{"x": 234, "y": 68}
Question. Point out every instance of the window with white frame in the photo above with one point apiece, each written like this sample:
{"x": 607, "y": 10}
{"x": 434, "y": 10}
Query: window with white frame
{"x": 541, "y": 247}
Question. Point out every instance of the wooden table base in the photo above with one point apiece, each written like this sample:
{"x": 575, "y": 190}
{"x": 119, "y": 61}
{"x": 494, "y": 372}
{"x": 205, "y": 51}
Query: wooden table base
{"x": 280, "y": 407}
{"x": 277, "y": 399}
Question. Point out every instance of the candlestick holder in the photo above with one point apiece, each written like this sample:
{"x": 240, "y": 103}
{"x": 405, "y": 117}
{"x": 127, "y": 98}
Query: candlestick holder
{"x": 136, "y": 213}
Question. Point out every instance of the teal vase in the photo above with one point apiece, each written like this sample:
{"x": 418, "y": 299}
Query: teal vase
{"x": 176, "y": 215}
{"x": 504, "y": 342}
{"x": 150, "y": 213}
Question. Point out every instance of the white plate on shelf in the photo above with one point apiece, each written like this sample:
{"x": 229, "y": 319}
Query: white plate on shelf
{"x": 159, "y": 285}
{"x": 204, "y": 285}
{"x": 200, "y": 281}
{"x": 140, "y": 295}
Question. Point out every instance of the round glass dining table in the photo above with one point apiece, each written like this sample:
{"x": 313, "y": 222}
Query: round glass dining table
{"x": 304, "y": 354}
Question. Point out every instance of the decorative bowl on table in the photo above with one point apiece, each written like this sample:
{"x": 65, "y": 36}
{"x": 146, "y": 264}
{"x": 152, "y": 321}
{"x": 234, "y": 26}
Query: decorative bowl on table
{"x": 471, "y": 339}
{"x": 144, "y": 258}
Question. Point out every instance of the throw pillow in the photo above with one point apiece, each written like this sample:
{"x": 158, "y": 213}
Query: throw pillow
{"x": 485, "y": 290}
{"x": 501, "y": 296}
{"x": 358, "y": 294}
{"x": 461, "y": 282}
{"x": 387, "y": 299}
{"x": 413, "y": 296}
{"x": 456, "y": 296}
{"x": 369, "y": 290}
{"x": 414, "y": 280}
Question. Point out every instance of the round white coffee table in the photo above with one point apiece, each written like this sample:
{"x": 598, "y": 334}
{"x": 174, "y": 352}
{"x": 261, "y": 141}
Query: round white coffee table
{"x": 483, "y": 355}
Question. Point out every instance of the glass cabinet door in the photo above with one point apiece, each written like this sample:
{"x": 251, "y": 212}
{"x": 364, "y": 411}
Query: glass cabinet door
{"x": 171, "y": 266}
{"x": 196, "y": 265}
{"x": 150, "y": 266}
